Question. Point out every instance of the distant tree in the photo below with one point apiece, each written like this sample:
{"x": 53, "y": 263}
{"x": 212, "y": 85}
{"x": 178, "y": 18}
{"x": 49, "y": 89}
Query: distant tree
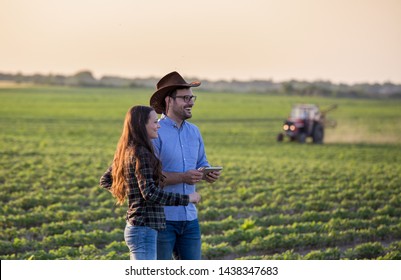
{"x": 56, "y": 79}
{"x": 288, "y": 87}
{"x": 83, "y": 78}
{"x": 19, "y": 78}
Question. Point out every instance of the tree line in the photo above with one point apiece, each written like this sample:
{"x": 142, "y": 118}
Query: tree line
{"x": 291, "y": 87}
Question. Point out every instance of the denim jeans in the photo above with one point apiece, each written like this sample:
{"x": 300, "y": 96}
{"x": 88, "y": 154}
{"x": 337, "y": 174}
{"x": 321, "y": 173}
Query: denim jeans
{"x": 181, "y": 238}
{"x": 141, "y": 241}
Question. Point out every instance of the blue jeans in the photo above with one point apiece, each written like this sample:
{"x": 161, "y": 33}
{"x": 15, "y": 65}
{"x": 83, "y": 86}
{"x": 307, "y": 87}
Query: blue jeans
{"x": 181, "y": 238}
{"x": 141, "y": 241}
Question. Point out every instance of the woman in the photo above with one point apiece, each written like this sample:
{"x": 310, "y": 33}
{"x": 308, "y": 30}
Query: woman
{"x": 136, "y": 176}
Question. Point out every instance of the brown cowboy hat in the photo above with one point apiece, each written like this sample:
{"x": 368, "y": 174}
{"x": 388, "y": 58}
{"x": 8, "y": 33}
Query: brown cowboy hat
{"x": 166, "y": 85}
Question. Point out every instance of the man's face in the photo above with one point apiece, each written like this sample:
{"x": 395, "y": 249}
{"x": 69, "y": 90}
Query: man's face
{"x": 178, "y": 107}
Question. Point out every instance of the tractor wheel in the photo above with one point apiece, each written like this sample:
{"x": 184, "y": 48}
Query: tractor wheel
{"x": 280, "y": 137}
{"x": 302, "y": 137}
{"x": 318, "y": 134}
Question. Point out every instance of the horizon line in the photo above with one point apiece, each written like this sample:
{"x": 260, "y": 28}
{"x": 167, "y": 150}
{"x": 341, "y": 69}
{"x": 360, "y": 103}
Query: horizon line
{"x": 153, "y": 76}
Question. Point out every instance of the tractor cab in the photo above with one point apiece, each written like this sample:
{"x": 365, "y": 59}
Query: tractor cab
{"x": 305, "y": 120}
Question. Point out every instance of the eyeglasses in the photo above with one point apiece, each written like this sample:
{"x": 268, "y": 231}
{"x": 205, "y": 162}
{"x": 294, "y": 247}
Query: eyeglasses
{"x": 187, "y": 98}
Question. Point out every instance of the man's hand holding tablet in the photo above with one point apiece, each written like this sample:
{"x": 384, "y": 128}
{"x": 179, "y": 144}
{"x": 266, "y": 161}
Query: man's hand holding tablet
{"x": 211, "y": 173}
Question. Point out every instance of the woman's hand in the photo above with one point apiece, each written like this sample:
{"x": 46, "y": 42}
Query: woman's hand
{"x": 194, "y": 197}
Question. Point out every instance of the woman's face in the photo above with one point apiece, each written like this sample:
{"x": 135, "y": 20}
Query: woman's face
{"x": 152, "y": 126}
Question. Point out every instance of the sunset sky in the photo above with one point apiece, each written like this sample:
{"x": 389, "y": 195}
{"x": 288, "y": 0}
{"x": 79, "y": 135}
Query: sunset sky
{"x": 346, "y": 41}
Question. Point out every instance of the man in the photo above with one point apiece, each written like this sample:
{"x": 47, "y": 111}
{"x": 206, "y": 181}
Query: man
{"x": 181, "y": 150}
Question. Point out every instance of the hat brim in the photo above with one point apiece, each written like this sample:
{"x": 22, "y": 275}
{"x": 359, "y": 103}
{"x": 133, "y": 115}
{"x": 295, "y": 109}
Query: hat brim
{"x": 157, "y": 99}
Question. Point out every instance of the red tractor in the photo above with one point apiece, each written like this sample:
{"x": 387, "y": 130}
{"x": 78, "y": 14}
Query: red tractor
{"x": 306, "y": 120}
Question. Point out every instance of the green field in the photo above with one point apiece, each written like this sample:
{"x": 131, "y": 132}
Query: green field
{"x": 339, "y": 200}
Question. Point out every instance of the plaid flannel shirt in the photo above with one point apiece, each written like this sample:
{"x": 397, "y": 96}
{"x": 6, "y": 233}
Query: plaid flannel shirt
{"x": 145, "y": 199}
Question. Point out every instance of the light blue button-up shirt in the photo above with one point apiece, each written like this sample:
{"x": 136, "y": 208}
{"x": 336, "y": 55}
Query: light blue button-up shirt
{"x": 180, "y": 149}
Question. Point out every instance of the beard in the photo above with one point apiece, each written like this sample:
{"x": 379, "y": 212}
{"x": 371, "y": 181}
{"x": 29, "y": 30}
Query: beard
{"x": 180, "y": 111}
{"x": 187, "y": 112}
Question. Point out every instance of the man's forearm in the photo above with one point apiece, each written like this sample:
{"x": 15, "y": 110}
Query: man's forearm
{"x": 191, "y": 177}
{"x": 172, "y": 178}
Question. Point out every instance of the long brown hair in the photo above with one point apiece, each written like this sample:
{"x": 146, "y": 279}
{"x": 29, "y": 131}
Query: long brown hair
{"x": 133, "y": 136}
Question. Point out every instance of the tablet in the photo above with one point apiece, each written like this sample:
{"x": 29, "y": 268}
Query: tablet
{"x": 206, "y": 170}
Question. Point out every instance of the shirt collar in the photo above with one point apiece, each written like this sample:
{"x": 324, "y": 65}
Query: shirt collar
{"x": 170, "y": 122}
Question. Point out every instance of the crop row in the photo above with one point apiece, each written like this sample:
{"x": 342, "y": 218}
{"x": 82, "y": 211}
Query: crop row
{"x": 68, "y": 238}
{"x": 75, "y": 246}
{"x": 369, "y": 250}
{"x": 114, "y": 250}
{"x": 117, "y": 250}
{"x": 252, "y": 228}
{"x": 275, "y": 242}
{"x": 233, "y": 239}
